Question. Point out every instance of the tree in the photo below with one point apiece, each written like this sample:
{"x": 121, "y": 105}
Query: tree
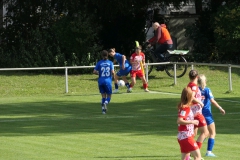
{"x": 227, "y": 31}
{"x": 64, "y": 32}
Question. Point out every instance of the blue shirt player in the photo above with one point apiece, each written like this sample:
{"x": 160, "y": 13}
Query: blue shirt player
{"x": 105, "y": 70}
{"x": 208, "y": 99}
{"x": 125, "y": 68}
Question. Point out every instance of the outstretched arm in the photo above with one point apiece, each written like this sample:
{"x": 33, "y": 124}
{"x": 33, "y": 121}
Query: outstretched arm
{"x": 218, "y": 106}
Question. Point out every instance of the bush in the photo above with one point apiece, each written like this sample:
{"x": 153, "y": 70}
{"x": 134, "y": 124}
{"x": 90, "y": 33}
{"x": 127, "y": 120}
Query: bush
{"x": 227, "y": 32}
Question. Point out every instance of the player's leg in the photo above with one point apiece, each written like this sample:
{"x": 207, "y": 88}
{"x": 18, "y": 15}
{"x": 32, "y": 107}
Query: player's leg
{"x": 102, "y": 102}
{"x": 126, "y": 81}
{"x": 187, "y": 156}
{"x": 116, "y": 77}
{"x": 211, "y": 139}
{"x": 202, "y": 127}
{"x": 144, "y": 81}
{"x": 203, "y": 134}
{"x": 196, "y": 154}
{"x": 133, "y": 81}
{"x": 184, "y": 155}
{"x": 124, "y": 76}
{"x": 108, "y": 93}
{"x": 102, "y": 92}
{"x": 195, "y": 130}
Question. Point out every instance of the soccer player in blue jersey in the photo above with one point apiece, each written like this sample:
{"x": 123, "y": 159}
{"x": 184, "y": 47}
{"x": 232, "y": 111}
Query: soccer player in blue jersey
{"x": 105, "y": 70}
{"x": 208, "y": 99}
{"x": 125, "y": 68}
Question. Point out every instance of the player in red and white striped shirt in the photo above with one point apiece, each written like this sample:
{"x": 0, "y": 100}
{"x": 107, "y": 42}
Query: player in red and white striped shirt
{"x": 186, "y": 124}
{"x": 136, "y": 59}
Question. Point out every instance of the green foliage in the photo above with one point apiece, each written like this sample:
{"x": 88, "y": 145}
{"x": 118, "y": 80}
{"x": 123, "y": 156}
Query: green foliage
{"x": 227, "y": 31}
{"x": 33, "y": 51}
{"x": 202, "y": 35}
{"x": 216, "y": 34}
{"x": 70, "y": 33}
{"x": 77, "y": 39}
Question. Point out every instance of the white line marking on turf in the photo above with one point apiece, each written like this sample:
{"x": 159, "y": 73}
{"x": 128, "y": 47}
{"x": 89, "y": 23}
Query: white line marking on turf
{"x": 228, "y": 100}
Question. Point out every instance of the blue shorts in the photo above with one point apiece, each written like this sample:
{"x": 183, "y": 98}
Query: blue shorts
{"x": 209, "y": 119}
{"x": 124, "y": 72}
{"x": 105, "y": 88}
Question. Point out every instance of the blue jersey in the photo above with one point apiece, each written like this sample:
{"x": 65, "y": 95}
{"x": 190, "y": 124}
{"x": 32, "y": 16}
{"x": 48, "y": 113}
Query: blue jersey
{"x": 118, "y": 57}
{"x": 104, "y": 68}
{"x": 207, "y": 95}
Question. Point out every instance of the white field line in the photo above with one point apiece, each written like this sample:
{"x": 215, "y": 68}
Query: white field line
{"x": 229, "y": 100}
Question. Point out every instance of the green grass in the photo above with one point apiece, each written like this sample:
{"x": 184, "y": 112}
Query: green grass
{"x": 39, "y": 121}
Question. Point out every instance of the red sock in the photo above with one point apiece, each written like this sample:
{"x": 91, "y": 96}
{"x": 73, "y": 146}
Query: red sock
{"x": 199, "y": 144}
{"x": 145, "y": 86}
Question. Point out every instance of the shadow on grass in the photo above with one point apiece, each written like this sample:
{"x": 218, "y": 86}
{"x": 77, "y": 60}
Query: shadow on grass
{"x": 138, "y": 117}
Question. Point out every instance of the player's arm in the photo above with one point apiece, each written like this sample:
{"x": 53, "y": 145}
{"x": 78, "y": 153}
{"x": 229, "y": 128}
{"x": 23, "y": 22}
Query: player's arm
{"x": 132, "y": 61}
{"x": 112, "y": 70}
{"x": 196, "y": 100}
{"x": 181, "y": 121}
{"x": 218, "y": 106}
{"x": 95, "y": 72}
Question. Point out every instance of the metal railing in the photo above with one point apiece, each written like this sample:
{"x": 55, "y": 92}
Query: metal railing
{"x": 147, "y": 64}
{"x": 192, "y": 67}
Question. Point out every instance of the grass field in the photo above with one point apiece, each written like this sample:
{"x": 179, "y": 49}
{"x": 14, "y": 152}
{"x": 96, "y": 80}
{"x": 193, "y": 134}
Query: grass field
{"x": 39, "y": 121}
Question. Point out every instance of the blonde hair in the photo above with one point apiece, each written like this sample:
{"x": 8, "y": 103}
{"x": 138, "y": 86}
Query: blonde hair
{"x": 186, "y": 98}
{"x": 202, "y": 81}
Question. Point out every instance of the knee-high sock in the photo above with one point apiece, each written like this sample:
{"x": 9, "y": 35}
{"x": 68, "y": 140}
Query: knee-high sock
{"x": 108, "y": 99}
{"x": 211, "y": 142}
{"x": 127, "y": 85}
{"x": 116, "y": 85}
{"x": 145, "y": 86}
{"x": 103, "y": 100}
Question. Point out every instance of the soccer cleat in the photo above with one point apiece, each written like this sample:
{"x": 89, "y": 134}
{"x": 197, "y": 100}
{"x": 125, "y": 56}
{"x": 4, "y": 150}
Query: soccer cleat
{"x": 103, "y": 111}
{"x": 210, "y": 155}
{"x": 129, "y": 90}
{"x": 115, "y": 91}
{"x": 146, "y": 90}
